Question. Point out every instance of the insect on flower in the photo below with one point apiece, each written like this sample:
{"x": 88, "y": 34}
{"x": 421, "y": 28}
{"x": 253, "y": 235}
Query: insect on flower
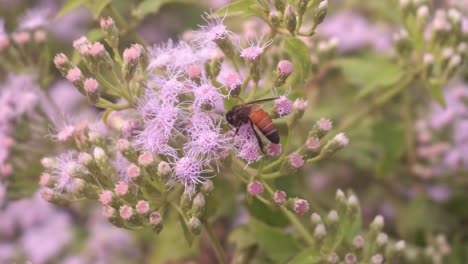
{"x": 254, "y": 114}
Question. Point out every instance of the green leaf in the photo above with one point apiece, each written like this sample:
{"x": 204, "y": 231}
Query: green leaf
{"x": 148, "y": 7}
{"x": 300, "y": 57}
{"x": 371, "y": 73}
{"x": 242, "y": 237}
{"x": 277, "y": 244}
{"x": 96, "y": 6}
{"x": 264, "y": 213}
{"x": 310, "y": 256}
{"x": 390, "y": 139}
{"x": 69, "y": 6}
{"x": 240, "y": 8}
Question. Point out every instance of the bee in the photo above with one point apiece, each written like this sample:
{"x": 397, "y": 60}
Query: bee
{"x": 254, "y": 114}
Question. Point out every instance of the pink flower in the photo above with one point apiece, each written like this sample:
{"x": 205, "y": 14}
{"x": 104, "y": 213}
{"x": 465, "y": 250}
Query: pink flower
{"x": 96, "y": 49}
{"x": 249, "y": 152}
{"x": 255, "y": 188}
{"x": 155, "y": 218}
{"x": 187, "y": 170}
{"x": 279, "y": 197}
{"x": 313, "y": 143}
{"x": 283, "y": 106}
{"x": 21, "y": 37}
{"x": 126, "y": 212}
{"x": 296, "y": 160}
{"x": 273, "y": 150}
{"x": 145, "y": 159}
{"x": 232, "y": 81}
{"x": 285, "y": 68}
{"x": 206, "y": 142}
{"x": 108, "y": 212}
{"x": 324, "y": 124}
{"x": 65, "y": 169}
{"x": 60, "y": 59}
{"x": 206, "y": 94}
{"x": 45, "y": 179}
{"x": 132, "y": 54}
{"x": 133, "y": 171}
{"x": 90, "y": 85}
{"x": 193, "y": 71}
{"x": 121, "y": 188}
{"x": 74, "y": 74}
{"x": 105, "y": 197}
{"x": 215, "y": 31}
{"x": 253, "y": 52}
{"x": 65, "y": 133}
{"x": 106, "y": 22}
{"x": 300, "y": 206}
{"x": 142, "y": 207}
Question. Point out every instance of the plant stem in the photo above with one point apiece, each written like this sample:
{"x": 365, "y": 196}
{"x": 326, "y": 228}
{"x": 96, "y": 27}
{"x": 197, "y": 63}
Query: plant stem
{"x": 409, "y": 128}
{"x": 216, "y": 244}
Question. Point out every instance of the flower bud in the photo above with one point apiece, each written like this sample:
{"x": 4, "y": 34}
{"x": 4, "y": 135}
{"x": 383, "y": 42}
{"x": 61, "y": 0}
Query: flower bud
{"x": 333, "y": 258}
{"x": 74, "y": 75}
{"x": 299, "y": 206}
{"x": 62, "y": 63}
{"x": 321, "y": 12}
{"x": 48, "y": 163}
{"x": 290, "y": 19}
{"x": 377, "y": 259}
{"x": 105, "y": 197}
{"x": 194, "y": 225}
{"x": 155, "y": 220}
{"x": 320, "y": 232}
{"x": 164, "y": 169}
{"x": 275, "y": 18}
{"x": 282, "y": 107}
{"x": 279, "y": 197}
{"x": 91, "y": 89}
{"x": 295, "y": 160}
{"x": 321, "y": 128}
{"x": 283, "y": 70}
{"x": 207, "y": 187}
{"x": 422, "y": 16}
{"x": 111, "y": 33}
{"x": 454, "y": 62}
{"x": 255, "y": 188}
{"x": 312, "y": 144}
{"x": 403, "y": 43}
{"x": 381, "y": 239}
{"x": 186, "y": 199}
{"x": 142, "y": 207}
{"x": 350, "y": 258}
{"x": 273, "y": 150}
{"x": 46, "y": 180}
{"x": 378, "y": 223}
{"x": 333, "y": 217}
{"x": 198, "y": 206}
{"x": 316, "y": 219}
{"x": 124, "y": 147}
{"x": 358, "y": 242}
{"x": 131, "y": 58}
{"x": 52, "y": 197}
{"x": 337, "y": 143}
{"x": 428, "y": 62}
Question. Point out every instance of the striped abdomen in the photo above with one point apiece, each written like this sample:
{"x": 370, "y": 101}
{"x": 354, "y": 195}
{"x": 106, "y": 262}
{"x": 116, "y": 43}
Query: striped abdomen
{"x": 264, "y": 123}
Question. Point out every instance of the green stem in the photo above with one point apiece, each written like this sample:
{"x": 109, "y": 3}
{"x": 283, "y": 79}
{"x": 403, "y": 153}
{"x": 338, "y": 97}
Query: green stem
{"x": 409, "y": 128}
{"x": 216, "y": 244}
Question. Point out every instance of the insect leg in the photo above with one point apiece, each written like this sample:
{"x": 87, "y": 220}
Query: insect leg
{"x": 259, "y": 140}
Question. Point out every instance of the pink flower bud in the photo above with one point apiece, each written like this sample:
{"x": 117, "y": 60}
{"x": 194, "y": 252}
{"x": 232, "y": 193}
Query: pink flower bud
{"x": 82, "y": 41}
{"x": 255, "y": 188}
{"x": 66, "y": 133}
{"x": 74, "y": 74}
{"x": 324, "y": 124}
{"x": 106, "y": 22}
{"x": 283, "y": 106}
{"x": 123, "y": 145}
{"x": 4, "y": 43}
{"x": 279, "y": 197}
{"x": 121, "y": 188}
{"x": 108, "y": 212}
{"x": 132, "y": 54}
{"x": 96, "y": 49}
{"x": 21, "y": 38}
{"x": 296, "y": 160}
{"x": 47, "y": 194}
{"x": 90, "y": 85}
{"x": 60, "y": 60}
{"x": 105, "y": 197}
{"x": 126, "y": 212}
{"x": 45, "y": 179}
{"x": 193, "y": 71}
{"x": 155, "y": 218}
{"x": 300, "y": 206}
{"x": 285, "y": 68}
{"x": 6, "y": 169}
{"x": 232, "y": 81}
{"x": 133, "y": 171}
{"x": 39, "y": 36}
{"x": 312, "y": 143}
{"x": 142, "y": 207}
{"x": 145, "y": 159}
{"x": 273, "y": 150}
{"x": 300, "y": 104}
